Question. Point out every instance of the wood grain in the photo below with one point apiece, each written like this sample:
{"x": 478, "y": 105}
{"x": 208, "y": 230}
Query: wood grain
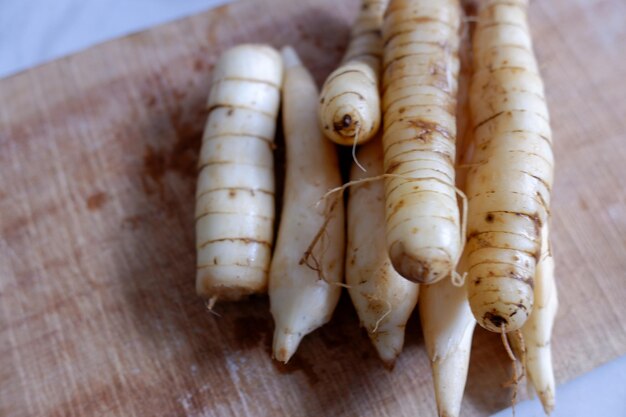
{"x": 98, "y": 315}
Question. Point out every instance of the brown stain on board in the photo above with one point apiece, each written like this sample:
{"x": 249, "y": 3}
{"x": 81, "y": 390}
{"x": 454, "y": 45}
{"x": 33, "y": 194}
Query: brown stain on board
{"x": 27, "y": 220}
{"x": 198, "y": 65}
{"x": 154, "y": 167}
{"x": 178, "y": 95}
{"x": 583, "y": 204}
{"x": 150, "y": 101}
{"x": 131, "y": 222}
{"x": 96, "y": 201}
{"x": 180, "y": 159}
{"x": 184, "y": 154}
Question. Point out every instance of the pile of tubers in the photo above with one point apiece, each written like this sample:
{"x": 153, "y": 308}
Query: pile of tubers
{"x": 449, "y": 192}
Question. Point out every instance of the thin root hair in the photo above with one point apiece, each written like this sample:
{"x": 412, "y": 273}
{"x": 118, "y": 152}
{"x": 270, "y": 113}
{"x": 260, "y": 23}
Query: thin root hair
{"x": 354, "y": 143}
{"x": 308, "y": 258}
{"x": 210, "y": 305}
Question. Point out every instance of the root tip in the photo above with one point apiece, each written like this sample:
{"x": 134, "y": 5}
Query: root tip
{"x": 290, "y": 57}
{"x": 285, "y": 345}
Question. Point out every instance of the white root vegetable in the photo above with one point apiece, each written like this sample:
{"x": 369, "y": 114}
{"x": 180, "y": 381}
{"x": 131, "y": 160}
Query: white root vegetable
{"x": 383, "y": 299}
{"x": 235, "y": 191}
{"x": 511, "y": 171}
{"x": 447, "y": 321}
{"x": 448, "y": 326}
{"x": 305, "y": 270}
{"x": 349, "y": 107}
{"x": 463, "y": 120}
{"x": 537, "y": 331}
{"x": 419, "y": 103}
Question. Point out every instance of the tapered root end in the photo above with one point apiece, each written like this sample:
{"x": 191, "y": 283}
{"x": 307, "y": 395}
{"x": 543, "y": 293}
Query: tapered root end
{"x": 547, "y": 400}
{"x": 388, "y": 345}
{"x": 427, "y": 266}
{"x": 290, "y": 57}
{"x": 449, "y": 377}
{"x": 285, "y": 345}
{"x": 541, "y": 374}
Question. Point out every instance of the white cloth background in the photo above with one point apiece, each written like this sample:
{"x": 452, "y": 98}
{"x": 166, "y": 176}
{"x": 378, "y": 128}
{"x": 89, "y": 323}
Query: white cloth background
{"x": 36, "y": 31}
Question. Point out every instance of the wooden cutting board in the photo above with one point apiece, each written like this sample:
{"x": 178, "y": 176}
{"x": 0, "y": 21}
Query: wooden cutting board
{"x": 97, "y": 177}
